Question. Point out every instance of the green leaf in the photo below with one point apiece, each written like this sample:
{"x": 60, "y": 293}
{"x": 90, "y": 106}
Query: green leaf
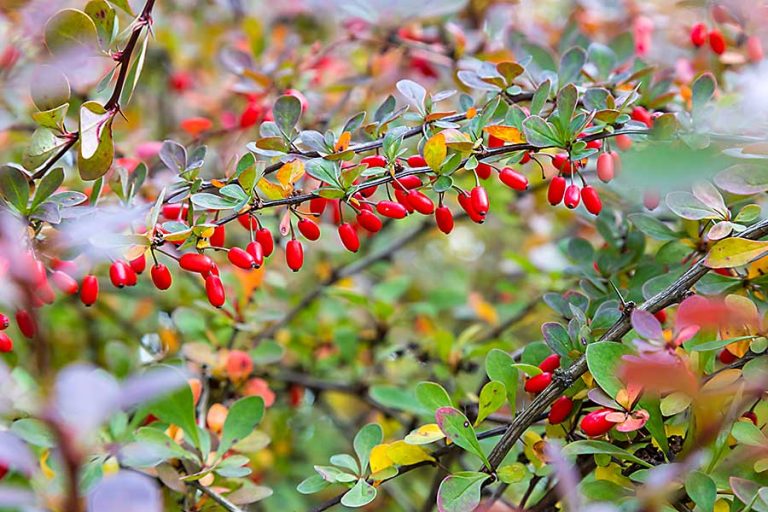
{"x": 539, "y": 133}
{"x": 397, "y": 398}
{"x": 492, "y": 397}
{"x": 134, "y": 72}
{"x": 346, "y": 461}
{"x": 652, "y": 227}
{"x": 702, "y": 490}
{"x": 368, "y": 437}
{"x": 14, "y": 187}
{"x": 499, "y": 367}
{"x": 603, "y": 57}
{"x": 743, "y": 179}
{"x": 688, "y": 206}
{"x": 96, "y": 147}
{"x": 432, "y": 396}
{"x": 603, "y": 360}
{"x": 702, "y": 90}
{"x": 460, "y": 492}
{"x": 571, "y": 63}
{"x": 52, "y": 119}
{"x": 567, "y": 98}
{"x": 313, "y": 484}
{"x": 124, "y": 5}
{"x": 557, "y": 338}
{"x": 360, "y": 495}
{"x": 512, "y": 473}
{"x": 213, "y": 202}
{"x": 103, "y": 16}
{"x": 242, "y": 418}
{"x": 414, "y": 93}
{"x": 457, "y": 427}
{"x": 47, "y": 186}
{"x": 178, "y": 408}
{"x": 540, "y": 97}
{"x": 41, "y": 147}
{"x": 593, "y": 446}
{"x": 49, "y": 88}
{"x": 71, "y": 30}
{"x": 747, "y": 433}
{"x": 324, "y": 170}
{"x": 287, "y": 111}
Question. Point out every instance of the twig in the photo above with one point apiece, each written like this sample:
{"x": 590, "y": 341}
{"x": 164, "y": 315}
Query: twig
{"x": 218, "y": 498}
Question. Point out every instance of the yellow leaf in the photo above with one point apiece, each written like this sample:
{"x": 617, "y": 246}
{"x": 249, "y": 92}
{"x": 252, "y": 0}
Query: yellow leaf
{"x": 435, "y": 151}
{"x": 438, "y": 115}
{"x": 734, "y": 252}
{"x": 483, "y": 309}
{"x": 404, "y": 454}
{"x": 44, "y": 467}
{"x": 272, "y": 190}
{"x": 290, "y": 173}
{"x": 757, "y": 268}
{"x": 457, "y": 140}
{"x": 425, "y": 434}
{"x": 722, "y": 505}
{"x": 505, "y": 133}
{"x": 343, "y": 143}
{"x": 380, "y": 458}
{"x": 612, "y": 473}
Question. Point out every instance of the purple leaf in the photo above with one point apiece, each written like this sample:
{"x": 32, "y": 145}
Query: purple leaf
{"x": 126, "y": 491}
{"x": 150, "y": 385}
{"x": 15, "y": 454}
{"x": 85, "y": 396}
{"x": 646, "y": 325}
{"x": 16, "y": 497}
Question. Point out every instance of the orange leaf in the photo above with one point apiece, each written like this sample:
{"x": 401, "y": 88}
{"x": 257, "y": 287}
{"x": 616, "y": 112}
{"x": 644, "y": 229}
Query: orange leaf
{"x": 290, "y": 173}
{"x": 343, "y": 143}
{"x": 471, "y": 112}
{"x": 196, "y": 125}
{"x": 505, "y": 133}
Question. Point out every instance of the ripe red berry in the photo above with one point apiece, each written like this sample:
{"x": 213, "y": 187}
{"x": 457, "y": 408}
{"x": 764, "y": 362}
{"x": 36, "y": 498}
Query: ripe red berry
{"x": 118, "y": 274}
{"x": 44, "y": 293}
{"x": 374, "y": 161}
{"x": 402, "y": 198}
{"x": 416, "y": 161}
{"x": 444, "y": 219}
{"x": 64, "y": 282}
{"x": 595, "y": 144}
{"x": 538, "y": 383}
{"x": 26, "y": 322}
{"x": 561, "y": 409}
{"x": 368, "y": 191}
{"x": 369, "y": 221}
{"x": 751, "y": 416}
{"x": 642, "y": 115}
{"x": 194, "y": 262}
{"x": 214, "y": 289}
{"x": 420, "y": 202}
{"x": 175, "y": 211}
{"x": 699, "y": 34}
{"x": 6, "y": 345}
{"x": 241, "y": 258}
{"x": 465, "y": 201}
{"x": 317, "y": 205}
{"x": 562, "y": 163}
{"x": 4, "y": 322}
{"x": 572, "y": 196}
{"x": 717, "y": 42}
{"x": 130, "y": 276}
{"x": 89, "y": 290}
{"x": 349, "y": 237}
{"x": 294, "y": 255}
{"x": 727, "y": 357}
{"x": 403, "y": 183}
{"x": 513, "y": 179}
{"x": 594, "y": 424}
{"x": 219, "y": 236}
{"x": 264, "y": 237}
{"x": 256, "y": 252}
{"x": 483, "y": 171}
{"x": 661, "y": 316}
{"x": 309, "y": 229}
{"x": 591, "y": 200}
{"x": 138, "y": 264}
{"x": 248, "y": 221}
{"x": 616, "y": 162}
{"x": 550, "y": 363}
{"x": 556, "y": 190}
{"x": 479, "y": 198}
{"x": 605, "y": 169}
{"x": 623, "y": 142}
{"x": 651, "y": 199}
{"x": 495, "y": 142}
{"x": 161, "y": 276}
{"x": 391, "y": 209}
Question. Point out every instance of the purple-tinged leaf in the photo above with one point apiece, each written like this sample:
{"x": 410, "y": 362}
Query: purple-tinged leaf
{"x": 460, "y": 492}
{"x": 84, "y": 397}
{"x": 688, "y": 206}
{"x": 150, "y": 385}
{"x": 15, "y": 454}
{"x": 457, "y": 427}
{"x": 126, "y": 491}
{"x": 646, "y": 325}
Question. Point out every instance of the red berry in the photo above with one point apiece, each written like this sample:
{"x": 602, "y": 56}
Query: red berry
{"x": 479, "y": 198}
{"x": 294, "y": 255}
{"x": 727, "y": 357}
{"x": 241, "y": 258}
{"x": 296, "y": 394}
{"x": 374, "y": 161}
{"x": 483, "y": 171}
{"x": 623, "y": 142}
{"x": 251, "y": 115}
{"x": 309, "y": 229}
{"x": 550, "y": 363}
{"x": 214, "y": 289}
{"x": 416, "y": 161}
{"x": 391, "y": 209}
{"x": 561, "y": 409}
{"x": 256, "y": 252}
{"x": 591, "y": 200}
{"x": 572, "y": 196}
{"x": 130, "y": 276}
{"x": 118, "y": 274}
{"x": 194, "y": 262}
{"x": 420, "y": 202}
{"x": 444, "y": 219}
{"x": 138, "y": 264}
{"x": 369, "y": 221}
{"x": 595, "y": 144}
{"x": 616, "y": 162}
{"x": 26, "y": 322}
{"x": 526, "y": 158}
{"x": 4, "y": 322}
{"x": 651, "y": 199}
{"x": 594, "y": 424}
{"x": 44, "y": 292}
{"x": 219, "y": 236}
{"x": 175, "y": 211}
{"x": 495, "y": 142}
{"x": 402, "y": 198}
{"x": 754, "y": 49}
{"x": 248, "y": 221}
{"x": 605, "y": 169}
{"x": 409, "y": 182}
{"x": 699, "y": 34}
{"x": 89, "y": 290}
{"x": 465, "y": 202}
{"x": 64, "y": 282}
{"x": 538, "y": 383}
{"x": 717, "y": 42}
{"x": 641, "y": 115}
{"x": 368, "y": 191}
{"x": 161, "y": 276}
{"x": 317, "y": 205}
{"x": 556, "y": 190}
{"x": 513, "y": 179}
{"x": 661, "y": 316}
{"x": 562, "y": 163}
{"x": 264, "y": 237}
{"x": 6, "y": 345}
{"x": 349, "y": 237}
{"x": 751, "y": 416}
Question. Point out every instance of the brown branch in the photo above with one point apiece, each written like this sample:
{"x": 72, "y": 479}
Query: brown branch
{"x": 218, "y": 498}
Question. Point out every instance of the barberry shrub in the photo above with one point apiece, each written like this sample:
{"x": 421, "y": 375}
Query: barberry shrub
{"x": 284, "y": 255}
